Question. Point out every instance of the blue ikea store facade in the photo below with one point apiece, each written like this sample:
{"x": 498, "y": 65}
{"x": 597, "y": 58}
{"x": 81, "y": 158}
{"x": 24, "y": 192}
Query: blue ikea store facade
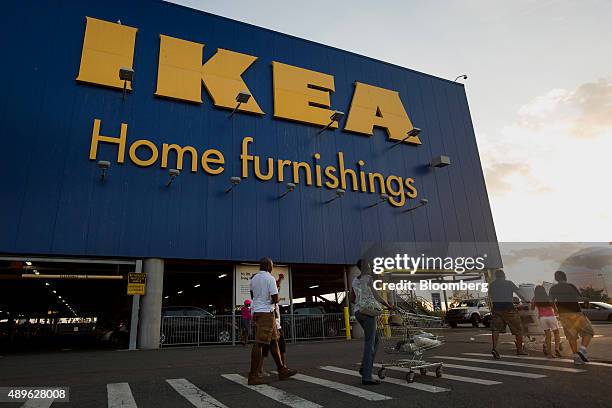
{"x": 55, "y": 203}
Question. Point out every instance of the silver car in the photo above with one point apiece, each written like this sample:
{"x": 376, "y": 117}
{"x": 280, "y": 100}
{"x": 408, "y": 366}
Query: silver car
{"x": 597, "y": 310}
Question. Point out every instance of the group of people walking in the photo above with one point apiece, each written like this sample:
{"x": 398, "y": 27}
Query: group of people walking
{"x": 562, "y": 300}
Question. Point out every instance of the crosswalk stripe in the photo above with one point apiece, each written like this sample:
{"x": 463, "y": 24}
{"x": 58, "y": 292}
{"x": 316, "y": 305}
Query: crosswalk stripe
{"x": 276, "y": 394}
{"x": 348, "y": 389}
{"x": 554, "y": 360}
{"x": 120, "y": 396}
{"x": 403, "y": 383}
{"x": 494, "y": 371}
{"x": 447, "y": 376}
{"x": 512, "y": 363}
{"x": 38, "y": 403}
{"x": 193, "y": 394}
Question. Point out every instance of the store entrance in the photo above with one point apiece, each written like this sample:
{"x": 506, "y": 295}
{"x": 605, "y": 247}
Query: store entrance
{"x": 50, "y": 304}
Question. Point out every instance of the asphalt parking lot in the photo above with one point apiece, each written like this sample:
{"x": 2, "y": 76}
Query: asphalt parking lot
{"x": 216, "y": 377}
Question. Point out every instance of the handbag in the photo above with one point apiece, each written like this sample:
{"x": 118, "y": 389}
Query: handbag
{"x": 365, "y": 301}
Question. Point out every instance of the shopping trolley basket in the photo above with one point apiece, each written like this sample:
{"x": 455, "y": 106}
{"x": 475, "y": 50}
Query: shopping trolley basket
{"x": 401, "y": 335}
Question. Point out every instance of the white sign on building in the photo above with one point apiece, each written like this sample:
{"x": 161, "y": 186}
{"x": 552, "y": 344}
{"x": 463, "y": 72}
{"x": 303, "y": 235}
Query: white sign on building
{"x": 243, "y": 280}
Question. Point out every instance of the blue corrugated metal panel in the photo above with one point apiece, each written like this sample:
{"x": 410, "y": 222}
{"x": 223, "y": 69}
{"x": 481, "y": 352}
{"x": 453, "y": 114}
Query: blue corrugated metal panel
{"x": 54, "y": 203}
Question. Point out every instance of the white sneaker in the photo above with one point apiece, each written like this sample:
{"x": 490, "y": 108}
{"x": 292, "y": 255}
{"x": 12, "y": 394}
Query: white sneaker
{"x": 582, "y": 353}
{"x": 578, "y": 360}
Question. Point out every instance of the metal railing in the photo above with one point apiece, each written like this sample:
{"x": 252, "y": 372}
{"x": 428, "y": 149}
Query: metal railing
{"x": 182, "y": 330}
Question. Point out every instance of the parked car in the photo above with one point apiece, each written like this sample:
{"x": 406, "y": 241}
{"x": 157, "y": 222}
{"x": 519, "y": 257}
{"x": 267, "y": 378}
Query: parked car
{"x": 317, "y": 320}
{"x": 467, "y": 311}
{"x": 193, "y": 325}
{"x": 597, "y": 310}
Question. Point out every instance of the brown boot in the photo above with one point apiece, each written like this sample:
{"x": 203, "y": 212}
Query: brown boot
{"x": 285, "y": 373}
{"x": 257, "y": 380}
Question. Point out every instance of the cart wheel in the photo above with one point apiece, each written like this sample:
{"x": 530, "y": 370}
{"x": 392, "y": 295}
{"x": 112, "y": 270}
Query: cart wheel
{"x": 439, "y": 372}
{"x": 410, "y": 377}
{"x": 423, "y": 371}
{"x": 381, "y": 373}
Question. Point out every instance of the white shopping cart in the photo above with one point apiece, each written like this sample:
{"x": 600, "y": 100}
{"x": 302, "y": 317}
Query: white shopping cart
{"x": 401, "y": 335}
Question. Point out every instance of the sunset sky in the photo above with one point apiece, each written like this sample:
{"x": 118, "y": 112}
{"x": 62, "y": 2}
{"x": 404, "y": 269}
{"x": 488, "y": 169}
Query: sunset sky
{"x": 539, "y": 87}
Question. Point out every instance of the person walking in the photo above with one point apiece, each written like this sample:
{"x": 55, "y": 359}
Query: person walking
{"x": 367, "y": 306}
{"x": 265, "y": 295}
{"x": 548, "y": 321}
{"x": 282, "y": 344}
{"x": 503, "y": 312}
{"x": 247, "y": 317}
{"x": 566, "y": 296}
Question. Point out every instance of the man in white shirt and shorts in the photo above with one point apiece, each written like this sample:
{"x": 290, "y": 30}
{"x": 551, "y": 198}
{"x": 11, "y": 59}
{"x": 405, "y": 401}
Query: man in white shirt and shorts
{"x": 265, "y": 296}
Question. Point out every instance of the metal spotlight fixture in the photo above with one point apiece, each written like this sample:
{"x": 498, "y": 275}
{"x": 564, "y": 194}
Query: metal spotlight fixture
{"x": 104, "y": 166}
{"x": 336, "y": 116}
{"x": 422, "y": 202}
{"x": 290, "y": 188}
{"x": 173, "y": 174}
{"x": 464, "y": 77}
{"x": 339, "y": 194}
{"x": 126, "y": 74}
{"x": 242, "y": 97}
{"x": 440, "y": 161}
{"x": 234, "y": 181}
{"x": 411, "y": 133}
{"x": 382, "y": 198}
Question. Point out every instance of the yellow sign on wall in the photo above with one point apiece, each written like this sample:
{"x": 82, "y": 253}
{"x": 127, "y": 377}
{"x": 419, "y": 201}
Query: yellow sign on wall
{"x": 136, "y": 283}
{"x": 300, "y": 94}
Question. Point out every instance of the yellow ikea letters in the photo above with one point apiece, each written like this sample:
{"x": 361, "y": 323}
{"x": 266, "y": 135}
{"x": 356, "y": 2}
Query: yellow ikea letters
{"x": 374, "y": 106}
{"x": 107, "y": 47}
{"x": 181, "y": 73}
{"x": 302, "y": 95}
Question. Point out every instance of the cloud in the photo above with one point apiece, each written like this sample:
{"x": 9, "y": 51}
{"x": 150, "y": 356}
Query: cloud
{"x": 502, "y": 177}
{"x": 585, "y": 112}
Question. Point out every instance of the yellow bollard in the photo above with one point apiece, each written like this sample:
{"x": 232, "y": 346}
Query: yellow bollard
{"x": 386, "y": 328}
{"x": 347, "y": 322}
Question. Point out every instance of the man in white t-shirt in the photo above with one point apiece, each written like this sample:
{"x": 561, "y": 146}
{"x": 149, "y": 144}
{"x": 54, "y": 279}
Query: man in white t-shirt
{"x": 265, "y": 296}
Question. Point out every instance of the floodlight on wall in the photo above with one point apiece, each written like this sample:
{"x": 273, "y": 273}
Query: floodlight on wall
{"x": 242, "y": 97}
{"x": 290, "y": 188}
{"x": 339, "y": 194}
{"x": 126, "y": 75}
{"x": 422, "y": 203}
{"x": 234, "y": 182}
{"x": 440, "y": 161}
{"x": 173, "y": 174}
{"x": 381, "y": 199}
{"x": 104, "y": 166}
{"x": 336, "y": 116}
{"x": 464, "y": 77}
{"x": 411, "y": 133}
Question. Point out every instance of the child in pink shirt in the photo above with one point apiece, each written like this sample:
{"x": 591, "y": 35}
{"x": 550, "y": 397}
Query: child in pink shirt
{"x": 547, "y": 318}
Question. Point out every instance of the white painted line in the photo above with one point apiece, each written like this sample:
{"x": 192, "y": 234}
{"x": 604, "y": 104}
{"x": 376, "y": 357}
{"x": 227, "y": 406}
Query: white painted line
{"x": 447, "y": 376}
{"x": 38, "y": 403}
{"x": 348, "y": 389}
{"x": 193, "y": 394}
{"x": 494, "y": 371}
{"x": 403, "y": 383}
{"x": 120, "y": 396}
{"x": 512, "y": 363}
{"x": 276, "y": 394}
{"x": 552, "y": 360}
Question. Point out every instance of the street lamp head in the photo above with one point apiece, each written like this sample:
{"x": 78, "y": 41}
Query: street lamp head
{"x": 336, "y": 116}
{"x": 440, "y": 161}
{"x": 340, "y": 192}
{"x": 461, "y": 77}
{"x": 243, "y": 97}
{"x": 174, "y": 172}
{"x": 235, "y": 181}
{"x": 126, "y": 74}
{"x": 414, "y": 132}
{"x": 384, "y": 197}
{"x": 424, "y": 201}
{"x": 290, "y": 187}
{"x": 104, "y": 165}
